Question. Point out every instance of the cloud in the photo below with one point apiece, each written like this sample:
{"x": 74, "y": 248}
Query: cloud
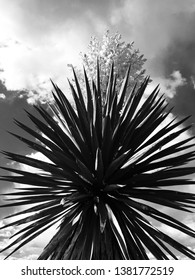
{"x": 30, "y": 69}
{"x": 47, "y": 36}
{"x": 168, "y": 86}
{"x": 34, "y": 155}
{"x": 154, "y": 25}
{"x": 164, "y": 32}
{"x": 171, "y": 84}
{"x": 179, "y": 55}
{"x": 2, "y": 96}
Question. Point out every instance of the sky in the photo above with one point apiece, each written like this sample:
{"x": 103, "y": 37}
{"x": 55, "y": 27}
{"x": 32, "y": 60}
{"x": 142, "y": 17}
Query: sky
{"x": 38, "y": 38}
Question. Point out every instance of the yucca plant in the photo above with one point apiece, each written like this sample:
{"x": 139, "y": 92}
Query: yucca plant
{"x": 109, "y": 163}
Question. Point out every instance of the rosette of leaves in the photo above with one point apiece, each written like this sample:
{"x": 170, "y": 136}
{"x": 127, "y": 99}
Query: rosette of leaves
{"x": 109, "y": 164}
